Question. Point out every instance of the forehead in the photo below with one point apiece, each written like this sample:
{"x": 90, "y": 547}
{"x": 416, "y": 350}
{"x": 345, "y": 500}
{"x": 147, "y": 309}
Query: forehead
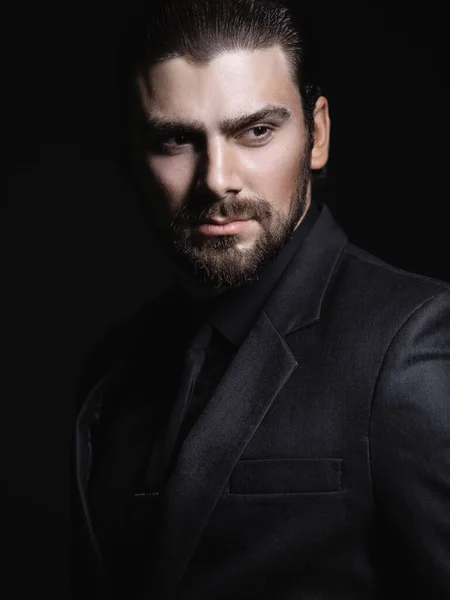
{"x": 231, "y": 83}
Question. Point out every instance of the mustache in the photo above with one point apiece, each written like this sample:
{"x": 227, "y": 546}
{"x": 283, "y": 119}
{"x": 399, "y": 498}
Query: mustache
{"x": 258, "y": 209}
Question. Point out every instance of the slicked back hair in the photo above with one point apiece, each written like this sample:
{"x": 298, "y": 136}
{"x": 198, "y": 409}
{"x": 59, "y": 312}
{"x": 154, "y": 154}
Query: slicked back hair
{"x": 202, "y": 29}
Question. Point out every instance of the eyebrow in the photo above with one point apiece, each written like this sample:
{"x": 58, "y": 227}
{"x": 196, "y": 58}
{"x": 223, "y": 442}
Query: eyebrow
{"x": 227, "y": 126}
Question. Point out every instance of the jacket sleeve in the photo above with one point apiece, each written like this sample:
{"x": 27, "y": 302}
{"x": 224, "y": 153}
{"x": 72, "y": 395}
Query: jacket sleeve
{"x": 410, "y": 454}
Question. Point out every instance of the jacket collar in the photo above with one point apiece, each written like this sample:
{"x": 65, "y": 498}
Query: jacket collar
{"x": 301, "y": 292}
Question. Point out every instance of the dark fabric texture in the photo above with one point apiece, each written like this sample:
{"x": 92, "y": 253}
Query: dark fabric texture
{"x": 136, "y": 443}
{"x": 318, "y": 467}
{"x": 284, "y": 476}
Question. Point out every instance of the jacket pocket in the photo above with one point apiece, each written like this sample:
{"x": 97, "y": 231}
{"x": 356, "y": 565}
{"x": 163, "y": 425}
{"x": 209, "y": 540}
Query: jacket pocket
{"x": 287, "y": 476}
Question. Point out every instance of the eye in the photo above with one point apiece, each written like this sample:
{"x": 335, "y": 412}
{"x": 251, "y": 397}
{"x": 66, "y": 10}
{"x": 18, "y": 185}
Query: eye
{"x": 257, "y": 134}
{"x": 176, "y": 140}
{"x": 173, "y": 143}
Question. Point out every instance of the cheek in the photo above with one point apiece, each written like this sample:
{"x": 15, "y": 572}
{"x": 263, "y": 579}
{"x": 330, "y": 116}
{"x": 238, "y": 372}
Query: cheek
{"x": 274, "y": 171}
{"x": 173, "y": 176}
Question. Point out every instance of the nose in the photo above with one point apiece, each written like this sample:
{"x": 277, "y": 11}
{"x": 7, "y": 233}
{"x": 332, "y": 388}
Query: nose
{"x": 219, "y": 168}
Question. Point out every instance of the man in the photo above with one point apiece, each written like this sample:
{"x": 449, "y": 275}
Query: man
{"x": 278, "y": 425}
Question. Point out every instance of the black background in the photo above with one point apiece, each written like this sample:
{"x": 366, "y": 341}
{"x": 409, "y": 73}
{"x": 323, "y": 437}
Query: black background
{"x": 80, "y": 257}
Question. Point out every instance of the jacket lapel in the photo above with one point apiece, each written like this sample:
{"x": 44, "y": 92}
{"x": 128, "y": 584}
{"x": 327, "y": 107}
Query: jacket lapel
{"x": 216, "y": 442}
{"x": 259, "y": 371}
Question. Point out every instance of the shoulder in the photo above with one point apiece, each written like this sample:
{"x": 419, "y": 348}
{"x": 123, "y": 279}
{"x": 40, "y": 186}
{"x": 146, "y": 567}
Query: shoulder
{"x": 377, "y": 283}
{"x": 360, "y": 259}
{"x": 359, "y": 280}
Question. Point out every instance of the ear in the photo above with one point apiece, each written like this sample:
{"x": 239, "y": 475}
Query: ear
{"x": 322, "y": 123}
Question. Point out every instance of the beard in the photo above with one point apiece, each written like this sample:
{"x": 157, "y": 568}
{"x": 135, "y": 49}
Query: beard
{"x": 217, "y": 261}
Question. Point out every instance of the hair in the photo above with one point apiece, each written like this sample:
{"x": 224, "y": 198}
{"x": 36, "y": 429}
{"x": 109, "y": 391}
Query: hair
{"x": 202, "y": 29}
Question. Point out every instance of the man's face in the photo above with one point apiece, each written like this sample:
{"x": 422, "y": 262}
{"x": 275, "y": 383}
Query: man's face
{"x": 222, "y": 153}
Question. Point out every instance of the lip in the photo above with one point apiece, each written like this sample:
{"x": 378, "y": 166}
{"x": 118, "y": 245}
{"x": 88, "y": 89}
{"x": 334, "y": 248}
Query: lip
{"x": 222, "y": 227}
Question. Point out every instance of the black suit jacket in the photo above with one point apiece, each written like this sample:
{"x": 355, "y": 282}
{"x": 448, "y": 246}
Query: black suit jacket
{"x": 320, "y": 468}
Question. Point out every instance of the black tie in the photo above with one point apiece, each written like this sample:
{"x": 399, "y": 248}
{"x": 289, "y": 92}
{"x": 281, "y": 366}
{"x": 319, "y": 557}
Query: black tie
{"x": 167, "y": 450}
